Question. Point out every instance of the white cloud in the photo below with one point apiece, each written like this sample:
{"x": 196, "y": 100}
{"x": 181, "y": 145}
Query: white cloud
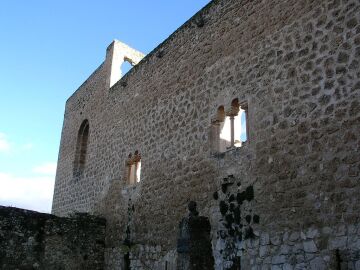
{"x": 48, "y": 168}
{"x": 4, "y": 143}
{"x": 34, "y": 193}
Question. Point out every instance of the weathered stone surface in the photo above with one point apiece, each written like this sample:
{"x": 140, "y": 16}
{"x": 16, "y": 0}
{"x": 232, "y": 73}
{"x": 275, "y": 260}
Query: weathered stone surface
{"x": 317, "y": 264}
{"x": 310, "y": 247}
{"x": 32, "y": 240}
{"x": 294, "y": 65}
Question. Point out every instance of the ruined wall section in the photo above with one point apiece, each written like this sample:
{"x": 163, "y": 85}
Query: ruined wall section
{"x": 32, "y": 240}
{"x": 296, "y": 65}
{"x": 301, "y": 162}
{"x": 275, "y": 67}
{"x": 86, "y": 103}
{"x": 75, "y": 192}
{"x": 300, "y": 82}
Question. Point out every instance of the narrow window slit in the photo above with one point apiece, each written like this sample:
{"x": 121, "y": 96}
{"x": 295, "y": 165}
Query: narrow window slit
{"x": 133, "y": 164}
{"x": 81, "y": 149}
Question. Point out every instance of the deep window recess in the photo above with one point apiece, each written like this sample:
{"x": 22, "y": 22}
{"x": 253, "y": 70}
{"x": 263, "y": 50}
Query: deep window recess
{"x": 81, "y": 149}
{"x": 229, "y": 128}
{"x": 133, "y": 165}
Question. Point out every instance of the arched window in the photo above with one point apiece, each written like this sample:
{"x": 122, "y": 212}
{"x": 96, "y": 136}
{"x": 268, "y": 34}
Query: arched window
{"x": 81, "y": 149}
{"x": 133, "y": 165}
{"x": 229, "y": 129}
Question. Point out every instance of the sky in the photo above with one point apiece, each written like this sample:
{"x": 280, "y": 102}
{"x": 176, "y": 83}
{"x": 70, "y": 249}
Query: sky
{"x": 47, "y": 49}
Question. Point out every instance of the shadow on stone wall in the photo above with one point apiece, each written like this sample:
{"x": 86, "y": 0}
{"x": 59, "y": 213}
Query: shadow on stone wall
{"x": 194, "y": 245}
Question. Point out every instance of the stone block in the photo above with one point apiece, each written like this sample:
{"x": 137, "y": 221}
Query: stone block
{"x": 264, "y": 239}
{"x": 338, "y": 243}
{"x": 317, "y": 264}
{"x": 263, "y": 251}
{"x": 279, "y": 259}
{"x": 276, "y": 267}
{"x": 312, "y": 233}
{"x": 284, "y": 249}
{"x": 310, "y": 246}
{"x": 275, "y": 240}
{"x": 294, "y": 236}
{"x": 287, "y": 266}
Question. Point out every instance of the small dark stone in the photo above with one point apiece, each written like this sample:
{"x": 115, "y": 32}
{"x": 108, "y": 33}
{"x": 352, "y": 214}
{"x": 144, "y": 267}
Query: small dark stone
{"x": 303, "y": 128}
{"x": 237, "y": 215}
{"x": 287, "y": 111}
{"x": 231, "y": 198}
{"x": 199, "y": 21}
{"x": 324, "y": 99}
{"x": 123, "y": 83}
{"x": 229, "y": 219}
{"x": 357, "y": 40}
{"x": 248, "y": 218}
{"x": 315, "y": 91}
{"x": 256, "y": 219}
{"x": 289, "y": 56}
{"x": 338, "y": 29}
{"x": 240, "y": 197}
{"x": 351, "y": 23}
{"x": 354, "y": 108}
{"x": 356, "y": 87}
{"x": 340, "y": 70}
{"x": 354, "y": 65}
{"x": 224, "y": 188}
{"x": 343, "y": 57}
{"x": 216, "y": 195}
{"x": 283, "y": 124}
{"x": 249, "y": 233}
{"x": 223, "y": 208}
{"x": 249, "y": 193}
{"x": 160, "y": 54}
{"x": 329, "y": 109}
{"x": 192, "y": 208}
{"x": 329, "y": 85}
{"x": 222, "y": 234}
{"x": 303, "y": 52}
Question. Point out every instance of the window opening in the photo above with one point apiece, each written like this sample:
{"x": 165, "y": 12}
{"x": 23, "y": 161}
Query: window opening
{"x": 244, "y": 123}
{"x": 133, "y": 165}
{"x": 229, "y": 129}
{"x": 81, "y": 148}
{"x": 130, "y": 169}
{"x": 225, "y": 134}
{"x": 125, "y": 67}
{"x": 137, "y": 168}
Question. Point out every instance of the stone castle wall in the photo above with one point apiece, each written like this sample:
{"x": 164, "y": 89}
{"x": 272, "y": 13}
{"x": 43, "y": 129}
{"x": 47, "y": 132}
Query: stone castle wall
{"x": 32, "y": 240}
{"x": 287, "y": 198}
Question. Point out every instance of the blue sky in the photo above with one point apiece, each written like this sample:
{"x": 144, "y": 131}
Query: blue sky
{"x": 47, "y": 49}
